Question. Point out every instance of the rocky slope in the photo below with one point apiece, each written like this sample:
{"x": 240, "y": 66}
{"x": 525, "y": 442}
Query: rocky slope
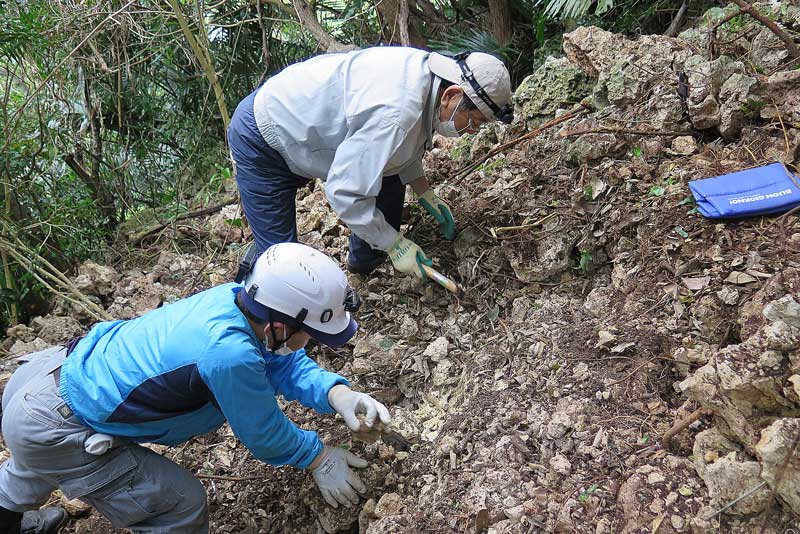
{"x": 599, "y": 309}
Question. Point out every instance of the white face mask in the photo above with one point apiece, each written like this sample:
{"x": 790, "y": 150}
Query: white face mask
{"x": 447, "y": 128}
{"x": 283, "y": 350}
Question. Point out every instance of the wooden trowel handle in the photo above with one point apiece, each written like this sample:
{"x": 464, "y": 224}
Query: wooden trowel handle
{"x": 441, "y": 279}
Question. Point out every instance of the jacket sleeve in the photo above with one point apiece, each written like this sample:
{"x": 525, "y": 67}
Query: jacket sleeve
{"x": 411, "y": 172}
{"x": 247, "y": 400}
{"x": 355, "y": 178}
{"x": 298, "y": 377}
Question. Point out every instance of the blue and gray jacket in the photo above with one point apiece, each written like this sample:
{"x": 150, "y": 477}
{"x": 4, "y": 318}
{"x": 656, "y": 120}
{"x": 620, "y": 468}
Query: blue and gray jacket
{"x": 181, "y": 370}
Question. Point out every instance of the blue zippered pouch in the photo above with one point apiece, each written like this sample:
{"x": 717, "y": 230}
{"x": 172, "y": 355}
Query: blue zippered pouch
{"x": 752, "y": 192}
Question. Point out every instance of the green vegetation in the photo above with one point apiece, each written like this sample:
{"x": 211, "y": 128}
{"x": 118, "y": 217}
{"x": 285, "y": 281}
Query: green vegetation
{"x": 113, "y": 113}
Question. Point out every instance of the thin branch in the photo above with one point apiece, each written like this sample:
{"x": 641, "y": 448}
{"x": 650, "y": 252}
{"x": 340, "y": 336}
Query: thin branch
{"x": 737, "y": 499}
{"x": 18, "y": 112}
{"x": 31, "y": 260}
{"x": 681, "y": 425}
{"x": 204, "y": 58}
{"x": 464, "y": 171}
{"x": 231, "y": 479}
{"x": 264, "y": 45}
{"x": 623, "y": 131}
{"x": 137, "y": 240}
{"x": 672, "y": 31}
{"x": 791, "y": 46}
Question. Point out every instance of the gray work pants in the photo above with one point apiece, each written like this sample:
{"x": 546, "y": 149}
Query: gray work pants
{"x": 130, "y": 485}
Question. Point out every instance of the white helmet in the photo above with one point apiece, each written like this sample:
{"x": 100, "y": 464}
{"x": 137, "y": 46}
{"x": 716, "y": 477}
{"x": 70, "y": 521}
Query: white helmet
{"x": 303, "y": 288}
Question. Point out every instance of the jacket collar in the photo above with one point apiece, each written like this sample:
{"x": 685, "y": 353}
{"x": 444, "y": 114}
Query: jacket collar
{"x": 430, "y": 109}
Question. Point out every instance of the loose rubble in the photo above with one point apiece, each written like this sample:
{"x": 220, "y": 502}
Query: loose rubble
{"x": 599, "y": 309}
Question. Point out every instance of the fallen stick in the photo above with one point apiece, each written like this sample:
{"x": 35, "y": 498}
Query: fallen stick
{"x": 682, "y": 425}
{"x": 497, "y": 230}
{"x": 441, "y": 279}
{"x": 137, "y": 240}
{"x": 458, "y": 176}
{"x": 791, "y": 46}
{"x": 737, "y": 499}
{"x": 626, "y": 131}
{"x": 231, "y": 479}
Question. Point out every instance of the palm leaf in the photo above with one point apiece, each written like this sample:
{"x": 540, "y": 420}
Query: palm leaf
{"x": 473, "y": 41}
{"x": 573, "y": 9}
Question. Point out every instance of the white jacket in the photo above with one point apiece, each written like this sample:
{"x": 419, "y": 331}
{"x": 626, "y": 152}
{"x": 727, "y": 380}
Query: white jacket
{"x": 350, "y": 119}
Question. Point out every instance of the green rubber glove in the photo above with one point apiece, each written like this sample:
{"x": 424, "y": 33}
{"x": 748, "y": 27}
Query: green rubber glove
{"x": 440, "y": 211}
{"x": 408, "y": 258}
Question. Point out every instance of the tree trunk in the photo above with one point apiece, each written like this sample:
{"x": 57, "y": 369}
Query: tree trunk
{"x": 103, "y": 197}
{"x": 308, "y": 18}
{"x": 500, "y": 20}
{"x": 397, "y": 26}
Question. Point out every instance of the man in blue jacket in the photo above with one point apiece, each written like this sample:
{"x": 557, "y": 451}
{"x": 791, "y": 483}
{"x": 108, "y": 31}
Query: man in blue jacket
{"x": 73, "y": 417}
{"x": 360, "y": 122}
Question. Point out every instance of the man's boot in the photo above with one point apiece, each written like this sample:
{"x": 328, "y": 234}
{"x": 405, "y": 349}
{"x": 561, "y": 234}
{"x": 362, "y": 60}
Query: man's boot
{"x": 44, "y": 521}
{"x": 9, "y": 521}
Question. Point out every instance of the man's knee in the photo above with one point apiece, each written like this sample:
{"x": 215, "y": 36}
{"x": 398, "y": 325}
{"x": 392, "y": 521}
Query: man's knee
{"x": 194, "y": 495}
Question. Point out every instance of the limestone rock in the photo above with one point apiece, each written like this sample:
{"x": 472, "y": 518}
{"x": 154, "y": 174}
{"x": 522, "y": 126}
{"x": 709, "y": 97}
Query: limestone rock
{"x": 374, "y": 352}
{"x": 56, "y": 329}
{"x": 772, "y": 450}
{"x": 751, "y": 313}
{"x": 684, "y": 145}
{"x": 94, "y": 279}
{"x": 592, "y": 49}
{"x": 366, "y": 515}
{"x": 21, "y": 332}
{"x": 75, "y": 507}
{"x": 20, "y": 348}
{"x": 705, "y": 80}
{"x": 560, "y": 465}
{"x": 784, "y": 88}
{"x": 592, "y": 147}
{"x": 399, "y": 524}
{"x": 388, "y": 505}
{"x": 484, "y": 140}
{"x": 554, "y": 85}
{"x": 558, "y": 425}
{"x": 709, "y": 446}
{"x": 785, "y": 309}
{"x": 727, "y": 479}
{"x": 225, "y": 227}
{"x": 551, "y": 257}
{"x": 138, "y": 293}
{"x": 738, "y": 104}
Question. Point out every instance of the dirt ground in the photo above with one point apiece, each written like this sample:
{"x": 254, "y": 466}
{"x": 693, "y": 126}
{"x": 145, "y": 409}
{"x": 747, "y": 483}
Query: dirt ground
{"x": 538, "y": 400}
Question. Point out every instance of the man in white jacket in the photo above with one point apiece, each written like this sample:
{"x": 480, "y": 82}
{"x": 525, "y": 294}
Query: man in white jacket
{"x": 361, "y": 122}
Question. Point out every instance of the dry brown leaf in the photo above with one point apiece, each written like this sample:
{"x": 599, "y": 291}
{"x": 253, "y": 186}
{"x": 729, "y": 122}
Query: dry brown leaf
{"x": 740, "y": 278}
{"x": 482, "y": 521}
{"x": 696, "y": 283}
{"x": 622, "y": 347}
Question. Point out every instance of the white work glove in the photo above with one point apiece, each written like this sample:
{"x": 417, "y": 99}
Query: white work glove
{"x": 336, "y": 481}
{"x": 408, "y": 258}
{"x": 348, "y": 403}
